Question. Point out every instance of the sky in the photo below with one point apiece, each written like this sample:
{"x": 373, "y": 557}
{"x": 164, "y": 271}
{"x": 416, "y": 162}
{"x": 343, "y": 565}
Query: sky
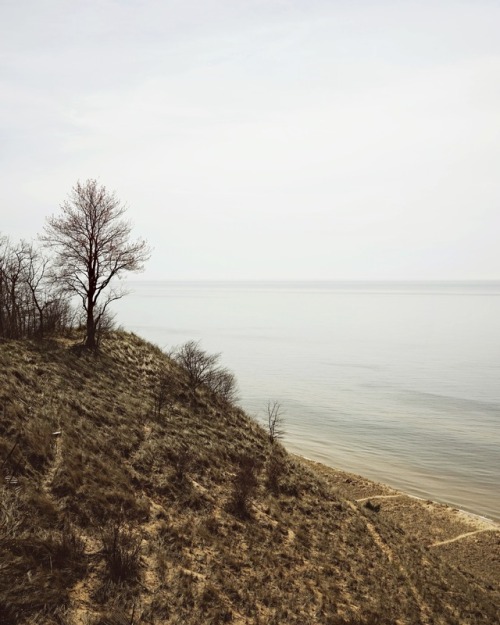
{"x": 263, "y": 139}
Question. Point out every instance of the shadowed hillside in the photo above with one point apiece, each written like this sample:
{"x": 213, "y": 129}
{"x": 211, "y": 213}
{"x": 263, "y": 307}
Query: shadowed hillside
{"x": 130, "y": 495}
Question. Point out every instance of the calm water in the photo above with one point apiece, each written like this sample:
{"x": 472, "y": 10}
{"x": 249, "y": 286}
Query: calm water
{"x": 396, "y": 381}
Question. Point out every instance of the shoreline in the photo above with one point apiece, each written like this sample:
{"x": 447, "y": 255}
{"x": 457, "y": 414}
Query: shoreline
{"x": 383, "y": 491}
{"x": 426, "y": 476}
{"x": 462, "y": 540}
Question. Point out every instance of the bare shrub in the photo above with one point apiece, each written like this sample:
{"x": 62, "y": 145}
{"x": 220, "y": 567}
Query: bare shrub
{"x": 182, "y": 462}
{"x": 163, "y": 391}
{"x": 60, "y": 317}
{"x": 104, "y": 323}
{"x": 197, "y": 363}
{"x": 202, "y": 369}
{"x": 275, "y": 470}
{"x": 37, "y": 569}
{"x": 244, "y": 486}
{"x": 275, "y": 421}
{"x": 223, "y": 383}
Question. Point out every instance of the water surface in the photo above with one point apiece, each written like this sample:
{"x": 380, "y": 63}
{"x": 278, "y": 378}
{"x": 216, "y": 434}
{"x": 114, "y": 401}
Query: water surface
{"x": 396, "y": 381}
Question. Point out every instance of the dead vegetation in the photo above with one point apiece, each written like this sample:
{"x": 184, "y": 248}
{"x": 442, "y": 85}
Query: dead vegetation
{"x": 159, "y": 501}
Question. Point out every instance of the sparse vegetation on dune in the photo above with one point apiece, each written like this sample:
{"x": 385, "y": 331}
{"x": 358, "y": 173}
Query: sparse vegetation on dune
{"x": 131, "y": 494}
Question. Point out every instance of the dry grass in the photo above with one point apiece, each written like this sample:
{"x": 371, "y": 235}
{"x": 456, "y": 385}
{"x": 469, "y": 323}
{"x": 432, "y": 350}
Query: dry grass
{"x": 176, "y": 508}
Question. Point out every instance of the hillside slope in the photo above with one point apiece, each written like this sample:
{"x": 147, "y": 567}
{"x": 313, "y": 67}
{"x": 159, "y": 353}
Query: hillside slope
{"x": 113, "y": 514}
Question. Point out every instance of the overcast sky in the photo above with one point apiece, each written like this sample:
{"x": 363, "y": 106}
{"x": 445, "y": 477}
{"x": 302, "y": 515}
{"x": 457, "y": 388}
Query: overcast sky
{"x": 280, "y": 139}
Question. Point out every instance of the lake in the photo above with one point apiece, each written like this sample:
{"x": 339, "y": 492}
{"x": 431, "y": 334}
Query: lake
{"x": 395, "y": 381}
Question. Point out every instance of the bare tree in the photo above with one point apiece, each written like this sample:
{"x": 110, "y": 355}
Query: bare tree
{"x": 29, "y": 305}
{"x": 276, "y": 463}
{"x": 92, "y": 244}
{"x": 42, "y": 296}
{"x": 12, "y": 291}
{"x": 275, "y": 421}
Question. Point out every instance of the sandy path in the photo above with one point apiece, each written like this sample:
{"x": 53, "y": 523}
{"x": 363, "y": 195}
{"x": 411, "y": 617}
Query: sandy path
{"x": 380, "y": 497}
{"x": 54, "y": 466}
{"x": 390, "y": 554}
{"x": 465, "y": 535}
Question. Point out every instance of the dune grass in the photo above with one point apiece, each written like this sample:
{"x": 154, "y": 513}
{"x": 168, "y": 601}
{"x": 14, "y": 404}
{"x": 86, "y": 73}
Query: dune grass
{"x": 130, "y": 495}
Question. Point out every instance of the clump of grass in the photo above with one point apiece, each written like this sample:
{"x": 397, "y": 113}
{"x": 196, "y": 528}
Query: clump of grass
{"x": 121, "y": 549}
{"x": 65, "y": 548}
{"x": 12, "y": 516}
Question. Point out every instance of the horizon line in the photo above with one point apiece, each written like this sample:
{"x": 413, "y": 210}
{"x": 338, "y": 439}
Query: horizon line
{"x": 324, "y": 280}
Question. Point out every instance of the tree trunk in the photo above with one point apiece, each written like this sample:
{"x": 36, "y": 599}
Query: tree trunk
{"x": 90, "y": 339}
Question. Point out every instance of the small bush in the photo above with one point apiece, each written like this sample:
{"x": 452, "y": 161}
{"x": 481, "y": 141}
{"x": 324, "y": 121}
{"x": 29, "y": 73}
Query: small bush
{"x": 223, "y": 384}
{"x": 163, "y": 395}
{"x": 104, "y": 326}
{"x": 275, "y": 422}
{"x": 275, "y": 469}
{"x": 198, "y": 365}
{"x": 36, "y": 572}
{"x": 374, "y": 507}
{"x": 202, "y": 369}
{"x": 244, "y": 486}
{"x": 182, "y": 461}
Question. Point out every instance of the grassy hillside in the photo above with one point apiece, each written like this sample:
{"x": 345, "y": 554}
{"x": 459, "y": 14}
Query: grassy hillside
{"x": 113, "y": 514}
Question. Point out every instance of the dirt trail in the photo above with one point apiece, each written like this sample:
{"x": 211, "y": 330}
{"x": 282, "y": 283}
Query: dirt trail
{"x": 461, "y": 536}
{"x": 380, "y": 497}
{"x": 82, "y": 591}
{"x": 469, "y": 542}
{"x": 390, "y": 554}
{"x": 54, "y": 465}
